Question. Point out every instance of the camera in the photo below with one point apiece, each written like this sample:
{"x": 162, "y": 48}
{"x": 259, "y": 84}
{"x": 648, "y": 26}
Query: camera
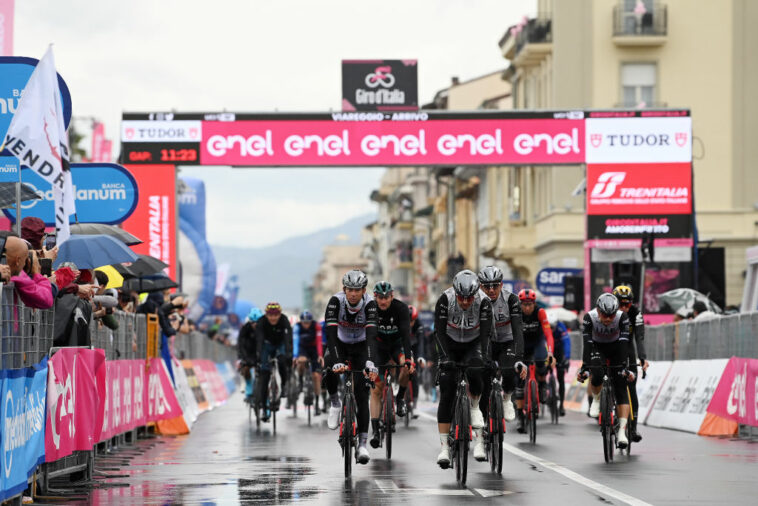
{"x": 50, "y": 241}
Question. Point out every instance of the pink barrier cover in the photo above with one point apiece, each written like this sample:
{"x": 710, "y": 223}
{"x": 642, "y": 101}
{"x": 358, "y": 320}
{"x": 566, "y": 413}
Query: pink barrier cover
{"x": 213, "y": 377}
{"x": 735, "y": 396}
{"x": 160, "y": 399}
{"x": 124, "y": 399}
{"x": 75, "y": 387}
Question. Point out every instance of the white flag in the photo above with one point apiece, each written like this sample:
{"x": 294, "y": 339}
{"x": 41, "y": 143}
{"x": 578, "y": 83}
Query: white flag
{"x": 37, "y": 137}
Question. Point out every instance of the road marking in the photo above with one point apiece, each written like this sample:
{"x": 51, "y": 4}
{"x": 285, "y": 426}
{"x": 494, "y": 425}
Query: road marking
{"x": 578, "y": 478}
{"x": 387, "y": 486}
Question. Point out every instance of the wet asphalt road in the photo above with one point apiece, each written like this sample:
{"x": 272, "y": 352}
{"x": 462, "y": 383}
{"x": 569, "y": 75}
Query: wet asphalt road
{"x": 224, "y": 461}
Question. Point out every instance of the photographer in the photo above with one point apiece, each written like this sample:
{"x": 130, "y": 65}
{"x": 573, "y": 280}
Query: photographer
{"x": 33, "y": 288}
{"x": 104, "y": 302}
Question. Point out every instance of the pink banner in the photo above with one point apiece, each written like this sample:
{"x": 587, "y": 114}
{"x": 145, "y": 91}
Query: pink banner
{"x": 356, "y": 143}
{"x": 98, "y": 136}
{"x": 213, "y": 378}
{"x": 160, "y": 399}
{"x": 124, "y": 397}
{"x": 6, "y": 27}
{"x": 75, "y": 387}
{"x": 735, "y": 396}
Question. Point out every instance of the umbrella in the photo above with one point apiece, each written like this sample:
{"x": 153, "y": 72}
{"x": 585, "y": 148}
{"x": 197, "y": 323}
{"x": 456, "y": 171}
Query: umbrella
{"x": 143, "y": 266}
{"x": 153, "y": 283}
{"x": 103, "y": 229}
{"x": 8, "y": 194}
{"x": 115, "y": 280}
{"x": 558, "y": 313}
{"x": 685, "y": 298}
{"x": 91, "y": 251}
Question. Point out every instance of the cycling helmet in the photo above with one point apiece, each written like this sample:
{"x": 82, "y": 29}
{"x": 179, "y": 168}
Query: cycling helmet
{"x": 413, "y": 311}
{"x": 527, "y": 295}
{"x": 273, "y": 308}
{"x": 255, "y": 314}
{"x": 607, "y": 304}
{"x": 383, "y": 288}
{"x": 623, "y": 292}
{"x": 465, "y": 283}
{"x": 354, "y": 279}
{"x": 490, "y": 274}
{"x": 306, "y": 316}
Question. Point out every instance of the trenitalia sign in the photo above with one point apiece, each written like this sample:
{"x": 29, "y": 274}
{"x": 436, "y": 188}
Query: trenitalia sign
{"x": 356, "y": 139}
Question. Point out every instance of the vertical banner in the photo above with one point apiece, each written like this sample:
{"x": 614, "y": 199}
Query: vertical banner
{"x": 154, "y": 219}
{"x": 6, "y": 27}
{"x": 98, "y": 137}
{"x": 75, "y": 388}
{"x": 736, "y": 396}
{"x": 161, "y": 400}
{"x": 139, "y": 416}
{"x": 23, "y": 426}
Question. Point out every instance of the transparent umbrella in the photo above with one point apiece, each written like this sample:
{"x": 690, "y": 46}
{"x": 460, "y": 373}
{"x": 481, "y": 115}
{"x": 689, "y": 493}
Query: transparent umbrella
{"x": 679, "y": 298}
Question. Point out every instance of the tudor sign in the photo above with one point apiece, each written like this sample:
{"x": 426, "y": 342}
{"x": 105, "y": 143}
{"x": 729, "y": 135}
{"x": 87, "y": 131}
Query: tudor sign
{"x": 641, "y": 140}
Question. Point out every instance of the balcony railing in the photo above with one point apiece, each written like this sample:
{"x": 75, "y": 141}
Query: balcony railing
{"x": 641, "y": 105}
{"x": 628, "y": 23}
{"x": 534, "y": 31}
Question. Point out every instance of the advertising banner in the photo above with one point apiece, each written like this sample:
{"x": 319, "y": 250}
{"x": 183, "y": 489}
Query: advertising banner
{"x": 227, "y": 376}
{"x": 154, "y": 217}
{"x": 653, "y": 188}
{"x": 550, "y": 280}
{"x": 161, "y": 400}
{"x": 194, "y": 384}
{"x": 662, "y": 226}
{"x": 213, "y": 378}
{"x": 15, "y": 72}
{"x": 736, "y": 396}
{"x": 649, "y": 388}
{"x": 104, "y": 193}
{"x": 657, "y": 138}
{"x": 75, "y": 387}
{"x": 379, "y": 85}
{"x": 184, "y": 394}
{"x": 686, "y": 393}
{"x": 23, "y": 426}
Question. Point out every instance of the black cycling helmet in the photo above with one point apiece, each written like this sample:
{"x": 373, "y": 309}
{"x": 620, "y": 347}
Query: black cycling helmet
{"x": 306, "y": 316}
{"x": 490, "y": 274}
{"x": 383, "y": 288}
{"x": 607, "y": 304}
{"x": 354, "y": 279}
{"x": 465, "y": 283}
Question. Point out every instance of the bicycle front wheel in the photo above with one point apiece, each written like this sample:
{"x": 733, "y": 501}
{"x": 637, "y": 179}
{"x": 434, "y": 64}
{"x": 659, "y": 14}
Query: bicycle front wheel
{"x": 532, "y": 414}
{"x": 347, "y": 435}
{"x": 462, "y": 443}
{"x": 389, "y": 415}
{"x": 553, "y": 396}
{"x": 606, "y": 423}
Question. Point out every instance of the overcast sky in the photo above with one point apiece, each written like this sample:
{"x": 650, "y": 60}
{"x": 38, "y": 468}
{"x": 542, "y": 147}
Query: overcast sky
{"x": 257, "y": 55}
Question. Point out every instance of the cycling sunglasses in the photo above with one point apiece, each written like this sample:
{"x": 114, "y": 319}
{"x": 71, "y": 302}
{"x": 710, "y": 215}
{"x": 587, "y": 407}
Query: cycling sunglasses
{"x": 490, "y": 286}
{"x": 382, "y": 297}
{"x": 461, "y": 298}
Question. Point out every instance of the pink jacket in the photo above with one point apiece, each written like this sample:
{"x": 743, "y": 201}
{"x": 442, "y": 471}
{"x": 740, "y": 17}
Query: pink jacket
{"x": 35, "y": 292}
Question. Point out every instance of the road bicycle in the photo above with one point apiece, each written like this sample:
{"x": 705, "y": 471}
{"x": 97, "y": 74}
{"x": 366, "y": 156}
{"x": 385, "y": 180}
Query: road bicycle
{"x": 387, "y": 418}
{"x": 309, "y": 395}
{"x": 531, "y": 406}
{"x": 552, "y": 399}
{"x": 348, "y": 433}
{"x": 410, "y": 403}
{"x": 607, "y": 418}
{"x": 293, "y": 391}
{"x": 495, "y": 429}
{"x": 274, "y": 395}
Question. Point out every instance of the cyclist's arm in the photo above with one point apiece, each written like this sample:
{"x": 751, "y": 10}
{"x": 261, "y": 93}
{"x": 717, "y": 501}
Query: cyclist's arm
{"x": 331, "y": 321}
{"x": 259, "y": 338}
{"x": 639, "y": 333}
{"x": 404, "y": 327}
{"x": 371, "y": 318}
{"x": 486, "y": 325}
{"x": 587, "y": 339}
{"x": 296, "y": 340}
{"x": 420, "y": 339}
{"x": 514, "y": 306}
{"x": 565, "y": 340}
{"x": 242, "y": 342}
{"x": 440, "y": 326}
{"x": 287, "y": 338}
{"x": 542, "y": 317}
{"x": 624, "y": 334}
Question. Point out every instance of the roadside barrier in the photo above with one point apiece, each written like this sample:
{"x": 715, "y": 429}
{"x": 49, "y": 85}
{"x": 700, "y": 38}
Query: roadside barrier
{"x": 64, "y": 408}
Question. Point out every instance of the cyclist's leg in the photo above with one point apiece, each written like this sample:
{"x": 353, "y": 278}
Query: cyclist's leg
{"x": 447, "y": 400}
{"x": 596, "y": 380}
{"x": 333, "y": 379}
{"x": 506, "y": 359}
{"x": 633, "y": 390}
{"x": 267, "y": 352}
{"x": 403, "y": 376}
{"x": 540, "y": 356}
{"x": 283, "y": 366}
{"x": 416, "y": 377}
{"x": 383, "y": 357}
{"x": 358, "y": 354}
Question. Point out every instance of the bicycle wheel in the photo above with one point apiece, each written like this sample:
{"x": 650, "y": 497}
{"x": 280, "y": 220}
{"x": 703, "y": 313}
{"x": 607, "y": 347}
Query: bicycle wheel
{"x": 464, "y": 438}
{"x": 389, "y": 415}
{"x": 309, "y": 415}
{"x": 606, "y": 425}
{"x": 347, "y": 435}
{"x": 408, "y": 404}
{"x": 496, "y": 423}
{"x": 552, "y": 392}
{"x": 532, "y": 413}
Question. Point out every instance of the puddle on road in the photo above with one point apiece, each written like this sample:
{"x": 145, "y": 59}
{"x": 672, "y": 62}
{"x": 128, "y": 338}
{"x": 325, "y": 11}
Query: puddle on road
{"x": 269, "y": 458}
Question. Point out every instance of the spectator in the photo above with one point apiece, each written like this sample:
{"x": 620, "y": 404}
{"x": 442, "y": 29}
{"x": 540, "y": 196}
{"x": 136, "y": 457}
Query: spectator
{"x": 33, "y": 288}
{"x": 701, "y": 312}
{"x": 104, "y": 301}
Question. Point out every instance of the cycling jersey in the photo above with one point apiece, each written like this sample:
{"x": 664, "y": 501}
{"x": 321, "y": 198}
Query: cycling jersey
{"x": 535, "y": 326}
{"x": 562, "y": 342}
{"x": 463, "y": 326}
{"x": 247, "y": 348}
{"x": 276, "y": 335}
{"x": 309, "y": 338}
{"x": 637, "y": 332}
{"x": 594, "y": 332}
{"x": 393, "y": 326}
{"x": 350, "y": 324}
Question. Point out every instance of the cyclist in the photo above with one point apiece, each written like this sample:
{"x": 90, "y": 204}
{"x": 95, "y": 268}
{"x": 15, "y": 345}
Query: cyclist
{"x": 417, "y": 347}
{"x": 562, "y": 343}
{"x": 392, "y": 346}
{"x": 606, "y": 336}
{"x": 351, "y": 335}
{"x": 274, "y": 337}
{"x": 637, "y": 331}
{"x": 309, "y": 352}
{"x": 463, "y": 322}
{"x": 538, "y": 347}
{"x": 247, "y": 351}
{"x": 506, "y": 346}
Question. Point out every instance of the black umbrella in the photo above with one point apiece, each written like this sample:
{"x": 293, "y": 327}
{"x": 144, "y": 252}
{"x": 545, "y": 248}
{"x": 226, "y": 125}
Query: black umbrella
{"x": 153, "y": 283}
{"x": 145, "y": 265}
{"x": 103, "y": 229}
{"x": 8, "y": 194}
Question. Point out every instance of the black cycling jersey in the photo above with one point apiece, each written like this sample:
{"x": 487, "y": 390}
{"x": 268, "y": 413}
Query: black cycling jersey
{"x": 274, "y": 334}
{"x": 594, "y": 331}
{"x": 350, "y": 325}
{"x": 637, "y": 332}
{"x": 247, "y": 348}
{"x": 393, "y": 325}
{"x": 535, "y": 326}
{"x": 463, "y": 324}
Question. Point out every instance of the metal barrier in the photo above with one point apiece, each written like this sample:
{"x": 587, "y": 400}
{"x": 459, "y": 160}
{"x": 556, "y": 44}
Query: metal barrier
{"x": 722, "y": 337}
{"x": 198, "y": 345}
{"x": 125, "y": 342}
{"x": 27, "y": 334}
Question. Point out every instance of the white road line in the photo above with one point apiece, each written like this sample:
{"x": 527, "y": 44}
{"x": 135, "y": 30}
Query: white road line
{"x": 578, "y": 478}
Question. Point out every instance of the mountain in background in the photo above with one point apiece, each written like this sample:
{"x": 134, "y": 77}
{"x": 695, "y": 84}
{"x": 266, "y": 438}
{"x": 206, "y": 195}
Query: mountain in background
{"x": 278, "y": 272}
